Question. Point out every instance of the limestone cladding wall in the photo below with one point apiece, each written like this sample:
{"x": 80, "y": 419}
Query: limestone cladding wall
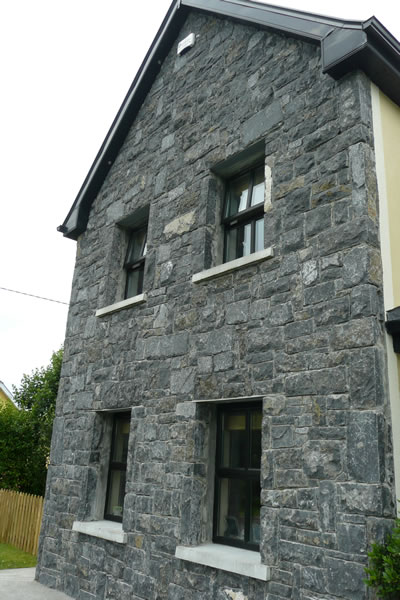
{"x": 303, "y": 329}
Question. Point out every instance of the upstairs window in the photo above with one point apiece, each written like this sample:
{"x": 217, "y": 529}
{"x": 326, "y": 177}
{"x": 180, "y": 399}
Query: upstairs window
{"x": 237, "y": 475}
{"x": 117, "y": 468}
{"x": 134, "y": 262}
{"x": 243, "y": 217}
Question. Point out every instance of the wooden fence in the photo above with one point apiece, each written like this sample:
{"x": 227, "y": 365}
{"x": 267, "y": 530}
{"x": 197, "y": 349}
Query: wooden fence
{"x": 20, "y": 520}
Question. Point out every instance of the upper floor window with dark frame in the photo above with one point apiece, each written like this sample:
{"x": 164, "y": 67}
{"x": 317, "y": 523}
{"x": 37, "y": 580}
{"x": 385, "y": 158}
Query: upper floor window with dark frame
{"x": 237, "y": 475}
{"x": 134, "y": 262}
{"x": 243, "y": 215}
{"x": 117, "y": 467}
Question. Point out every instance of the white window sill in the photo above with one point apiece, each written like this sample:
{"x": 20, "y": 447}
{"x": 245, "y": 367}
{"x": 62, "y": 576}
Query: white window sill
{"x": 112, "y": 308}
{"x": 227, "y": 400}
{"x": 226, "y": 558}
{"x": 233, "y": 265}
{"x": 106, "y": 530}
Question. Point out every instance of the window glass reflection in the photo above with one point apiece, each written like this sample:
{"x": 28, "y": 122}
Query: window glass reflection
{"x": 258, "y": 187}
{"x": 232, "y": 509}
{"x": 234, "y": 441}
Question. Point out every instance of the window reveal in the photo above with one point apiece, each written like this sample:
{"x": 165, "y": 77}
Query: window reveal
{"x": 237, "y": 476}
{"x": 243, "y": 217}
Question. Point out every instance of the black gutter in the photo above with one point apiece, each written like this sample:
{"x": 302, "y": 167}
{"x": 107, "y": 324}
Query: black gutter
{"x": 346, "y": 46}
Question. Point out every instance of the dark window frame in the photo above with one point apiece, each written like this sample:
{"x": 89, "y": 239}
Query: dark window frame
{"x": 247, "y": 474}
{"x": 113, "y": 465}
{"x": 249, "y": 215}
{"x": 132, "y": 265}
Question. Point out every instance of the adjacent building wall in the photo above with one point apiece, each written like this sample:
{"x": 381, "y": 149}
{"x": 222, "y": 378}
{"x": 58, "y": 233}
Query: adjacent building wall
{"x": 387, "y": 151}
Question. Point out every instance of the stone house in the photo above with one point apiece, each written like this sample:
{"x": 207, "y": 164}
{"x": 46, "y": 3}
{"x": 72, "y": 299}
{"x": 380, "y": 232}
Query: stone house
{"x": 228, "y": 420}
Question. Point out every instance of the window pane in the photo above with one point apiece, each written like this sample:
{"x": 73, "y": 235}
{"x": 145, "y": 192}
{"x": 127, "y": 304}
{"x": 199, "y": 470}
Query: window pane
{"x": 255, "y": 433}
{"x": 247, "y": 240}
{"x": 259, "y": 241}
{"x": 134, "y": 282}
{"x": 121, "y": 440}
{"x": 237, "y": 195}
{"x": 258, "y": 187}
{"x": 137, "y": 246}
{"x": 233, "y": 447}
{"x": 255, "y": 513}
{"x": 116, "y": 493}
{"x": 231, "y": 244}
{"x": 232, "y": 508}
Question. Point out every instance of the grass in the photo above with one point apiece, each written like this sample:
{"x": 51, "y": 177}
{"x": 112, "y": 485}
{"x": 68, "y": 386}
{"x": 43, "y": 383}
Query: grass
{"x": 12, "y": 558}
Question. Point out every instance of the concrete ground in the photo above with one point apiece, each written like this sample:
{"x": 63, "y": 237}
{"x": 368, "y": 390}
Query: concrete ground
{"x": 19, "y": 584}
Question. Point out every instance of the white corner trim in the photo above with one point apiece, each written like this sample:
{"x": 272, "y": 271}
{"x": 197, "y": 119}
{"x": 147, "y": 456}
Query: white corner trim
{"x": 112, "y": 308}
{"x": 233, "y": 265}
{"x": 226, "y": 558}
{"x": 107, "y": 530}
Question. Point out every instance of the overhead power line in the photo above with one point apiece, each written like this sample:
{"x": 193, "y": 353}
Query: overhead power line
{"x": 33, "y": 296}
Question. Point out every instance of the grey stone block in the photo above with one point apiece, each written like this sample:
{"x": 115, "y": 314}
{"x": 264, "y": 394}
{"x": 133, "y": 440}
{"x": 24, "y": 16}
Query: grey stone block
{"x": 365, "y": 379}
{"x": 314, "y": 579}
{"x": 360, "y": 498}
{"x": 345, "y": 579}
{"x": 322, "y": 381}
{"x": 322, "y": 459}
{"x": 363, "y": 456}
{"x": 327, "y": 505}
{"x": 351, "y": 538}
{"x": 355, "y": 334}
{"x": 262, "y": 122}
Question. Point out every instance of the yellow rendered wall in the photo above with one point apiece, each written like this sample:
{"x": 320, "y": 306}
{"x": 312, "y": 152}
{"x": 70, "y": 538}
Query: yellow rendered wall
{"x": 386, "y": 117}
{"x": 390, "y": 118}
{"x": 4, "y": 399}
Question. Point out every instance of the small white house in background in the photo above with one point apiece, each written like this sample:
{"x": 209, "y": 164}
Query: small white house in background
{"x": 5, "y": 395}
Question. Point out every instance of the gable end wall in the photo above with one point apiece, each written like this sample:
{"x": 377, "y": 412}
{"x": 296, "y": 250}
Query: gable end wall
{"x": 303, "y": 329}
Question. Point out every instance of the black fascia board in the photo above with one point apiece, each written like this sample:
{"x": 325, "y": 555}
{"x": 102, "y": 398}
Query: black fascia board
{"x": 307, "y": 26}
{"x": 346, "y": 46}
{"x": 371, "y": 49}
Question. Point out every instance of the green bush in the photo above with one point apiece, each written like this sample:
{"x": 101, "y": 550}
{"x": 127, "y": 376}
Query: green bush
{"x": 25, "y": 434}
{"x": 384, "y": 566}
{"x": 22, "y": 466}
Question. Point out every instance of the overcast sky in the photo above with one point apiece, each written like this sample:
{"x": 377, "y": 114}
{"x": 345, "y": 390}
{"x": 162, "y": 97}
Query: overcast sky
{"x": 66, "y": 67}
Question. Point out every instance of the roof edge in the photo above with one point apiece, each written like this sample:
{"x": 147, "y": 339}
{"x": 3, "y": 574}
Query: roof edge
{"x": 345, "y": 45}
{"x": 372, "y": 49}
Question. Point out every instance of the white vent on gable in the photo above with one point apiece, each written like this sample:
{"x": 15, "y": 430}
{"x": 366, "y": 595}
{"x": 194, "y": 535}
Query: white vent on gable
{"x": 187, "y": 43}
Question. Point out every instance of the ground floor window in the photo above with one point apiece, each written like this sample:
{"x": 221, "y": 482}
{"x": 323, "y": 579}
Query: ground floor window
{"x": 237, "y": 475}
{"x": 117, "y": 468}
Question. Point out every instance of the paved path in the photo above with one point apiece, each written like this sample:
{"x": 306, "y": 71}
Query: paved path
{"x": 19, "y": 584}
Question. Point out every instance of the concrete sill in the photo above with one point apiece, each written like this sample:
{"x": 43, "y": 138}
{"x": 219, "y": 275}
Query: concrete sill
{"x": 226, "y": 558}
{"x": 106, "y": 530}
{"x": 112, "y": 308}
{"x": 233, "y": 265}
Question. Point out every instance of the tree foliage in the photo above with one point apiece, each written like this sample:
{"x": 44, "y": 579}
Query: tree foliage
{"x": 25, "y": 434}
